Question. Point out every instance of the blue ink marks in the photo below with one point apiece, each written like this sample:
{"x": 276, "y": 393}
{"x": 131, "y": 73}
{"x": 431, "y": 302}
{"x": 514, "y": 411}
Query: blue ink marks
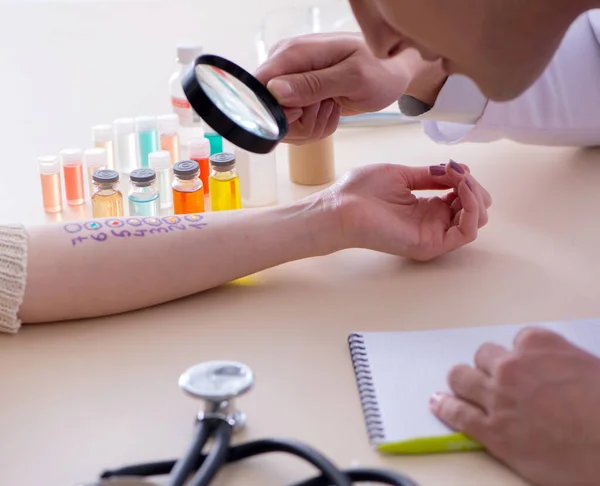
{"x": 121, "y": 234}
{"x": 135, "y": 222}
{"x": 115, "y": 223}
{"x": 193, "y": 218}
{"x": 172, "y": 220}
{"x": 141, "y": 232}
{"x": 173, "y": 227}
{"x": 93, "y": 226}
{"x": 152, "y": 221}
{"x": 198, "y": 225}
{"x": 99, "y": 237}
{"x": 73, "y": 228}
{"x": 79, "y": 239}
{"x": 158, "y": 230}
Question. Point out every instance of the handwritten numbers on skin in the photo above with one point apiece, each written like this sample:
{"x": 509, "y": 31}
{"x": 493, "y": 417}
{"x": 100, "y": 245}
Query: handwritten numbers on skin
{"x": 138, "y": 228}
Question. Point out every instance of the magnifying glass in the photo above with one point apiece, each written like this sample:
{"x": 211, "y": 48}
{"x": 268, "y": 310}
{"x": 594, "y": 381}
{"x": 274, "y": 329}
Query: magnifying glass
{"x": 235, "y": 104}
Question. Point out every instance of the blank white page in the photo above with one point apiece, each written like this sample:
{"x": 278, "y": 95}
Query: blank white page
{"x": 407, "y": 367}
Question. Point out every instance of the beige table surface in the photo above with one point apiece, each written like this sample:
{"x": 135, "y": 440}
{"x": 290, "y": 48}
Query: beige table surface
{"x": 80, "y": 397}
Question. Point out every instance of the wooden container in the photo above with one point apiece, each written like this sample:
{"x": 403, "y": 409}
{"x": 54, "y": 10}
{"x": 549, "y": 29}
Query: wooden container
{"x": 312, "y": 164}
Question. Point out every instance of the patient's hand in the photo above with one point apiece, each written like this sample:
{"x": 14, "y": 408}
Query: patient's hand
{"x": 379, "y": 209}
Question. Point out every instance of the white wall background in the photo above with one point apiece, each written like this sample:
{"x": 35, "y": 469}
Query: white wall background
{"x": 65, "y": 66}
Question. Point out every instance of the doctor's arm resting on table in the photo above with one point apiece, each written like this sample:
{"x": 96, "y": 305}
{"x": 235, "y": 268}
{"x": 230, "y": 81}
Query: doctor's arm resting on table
{"x": 82, "y": 269}
{"x": 481, "y": 70}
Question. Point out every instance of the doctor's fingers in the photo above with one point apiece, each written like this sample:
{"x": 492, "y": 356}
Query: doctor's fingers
{"x": 317, "y": 122}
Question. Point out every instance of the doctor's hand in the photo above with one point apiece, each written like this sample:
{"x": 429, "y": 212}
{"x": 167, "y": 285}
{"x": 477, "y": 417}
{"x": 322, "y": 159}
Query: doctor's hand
{"x": 318, "y": 78}
{"x": 379, "y": 209}
{"x": 534, "y": 407}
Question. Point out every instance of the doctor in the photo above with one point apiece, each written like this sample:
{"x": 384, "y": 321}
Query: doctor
{"x": 488, "y": 69}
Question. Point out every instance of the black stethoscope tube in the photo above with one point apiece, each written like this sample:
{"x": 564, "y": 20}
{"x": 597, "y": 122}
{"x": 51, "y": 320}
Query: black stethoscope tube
{"x": 217, "y": 456}
{"x": 250, "y": 449}
{"x": 183, "y": 468}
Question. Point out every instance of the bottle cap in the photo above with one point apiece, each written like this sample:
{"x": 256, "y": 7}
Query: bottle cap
{"x": 145, "y": 123}
{"x": 168, "y": 124}
{"x": 187, "y": 54}
{"x": 124, "y": 126}
{"x": 199, "y": 148}
{"x": 142, "y": 176}
{"x": 49, "y": 164}
{"x": 102, "y": 133}
{"x": 186, "y": 169}
{"x": 105, "y": 176}
{"x": 160, "y": 160}
{"x": 216, "y": 142}
{"x": 223, "y": 161}
{"x": 95, "y": 157}
{"x": 71, "y": 156}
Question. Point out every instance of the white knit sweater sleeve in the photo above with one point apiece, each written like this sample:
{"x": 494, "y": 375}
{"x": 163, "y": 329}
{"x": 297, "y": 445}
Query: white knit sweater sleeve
{"x": 13, "y": 271}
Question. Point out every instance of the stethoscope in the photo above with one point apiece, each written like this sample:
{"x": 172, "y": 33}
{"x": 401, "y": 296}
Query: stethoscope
{"x": 218, "y": 383}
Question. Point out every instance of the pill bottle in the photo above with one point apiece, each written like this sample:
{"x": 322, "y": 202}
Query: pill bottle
{"x": 258, "y": 178}
{"x": 312, "y": 164}
{"x": 49, "y": 166}
{"x": 94, "y": 159}
{"x": 160, "y": 162}
{"x": 72, "y": 162}
{"x": 188, "y": 195}
{"x": 107, "y": 200}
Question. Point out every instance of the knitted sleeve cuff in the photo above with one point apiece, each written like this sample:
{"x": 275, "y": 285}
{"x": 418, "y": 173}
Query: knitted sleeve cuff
{"x": 13, "y": 273}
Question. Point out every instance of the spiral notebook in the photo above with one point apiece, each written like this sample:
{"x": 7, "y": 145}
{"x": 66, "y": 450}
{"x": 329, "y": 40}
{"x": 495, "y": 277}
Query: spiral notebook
{"x": 397, "y": 372}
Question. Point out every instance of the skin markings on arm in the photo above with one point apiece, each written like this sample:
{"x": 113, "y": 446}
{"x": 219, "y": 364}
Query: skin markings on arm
{"x": 90, "y": 231}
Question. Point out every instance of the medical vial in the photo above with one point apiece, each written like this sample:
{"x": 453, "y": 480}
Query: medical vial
{"x": 199, "y": 150}
{"x": 188, "y": 196}
{"x": 51, "y": 184}
{"x": 107, "y": 200}
{"x": 258, "y": 178}
{"x": 169, "y": 136}
{"x": 216, "y": 142}
{"x": 147, "y": 137}
{"x": 72, "y": 162}
{"x": 126, "y": 158}
{"x": 224, "y": 183}
{"x": 143, "y": 195}
{"x": 102, "y": 137}
{"x": 160, "y": 162}
{"x": 94, "y": 159}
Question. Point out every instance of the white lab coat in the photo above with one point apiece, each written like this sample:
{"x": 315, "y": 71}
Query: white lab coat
{"x": 561, "y": 108}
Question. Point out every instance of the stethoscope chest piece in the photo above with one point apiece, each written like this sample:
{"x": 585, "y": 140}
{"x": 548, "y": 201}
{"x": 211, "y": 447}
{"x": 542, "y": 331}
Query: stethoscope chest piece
{"x": 218, "y": 383}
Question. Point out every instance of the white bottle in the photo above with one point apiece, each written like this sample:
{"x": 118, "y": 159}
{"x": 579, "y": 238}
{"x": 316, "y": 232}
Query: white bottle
{"x": 258, "y": 178}
{"x": 189, "y": 121}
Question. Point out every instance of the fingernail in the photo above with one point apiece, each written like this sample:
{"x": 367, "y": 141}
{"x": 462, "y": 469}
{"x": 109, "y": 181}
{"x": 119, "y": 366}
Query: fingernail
{"x": 469, "y": 184}
{"x": 436, "y": 170}
{"x": 293, "y": 116}
{"x": 280, "y": 89}
{"x": 435, "y": 400}
{"x": 457, "y": 167}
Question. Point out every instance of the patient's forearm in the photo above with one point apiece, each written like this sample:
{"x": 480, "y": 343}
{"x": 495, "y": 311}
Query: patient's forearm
{"x": 98, "y": 267}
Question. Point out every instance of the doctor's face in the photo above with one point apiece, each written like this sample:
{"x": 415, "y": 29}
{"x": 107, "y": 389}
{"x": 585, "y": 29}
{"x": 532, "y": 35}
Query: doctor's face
{"x": 503, "y": 45}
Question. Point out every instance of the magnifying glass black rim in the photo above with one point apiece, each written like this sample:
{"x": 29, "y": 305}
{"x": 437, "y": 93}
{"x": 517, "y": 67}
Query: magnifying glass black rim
{"x": 219, "y": 121}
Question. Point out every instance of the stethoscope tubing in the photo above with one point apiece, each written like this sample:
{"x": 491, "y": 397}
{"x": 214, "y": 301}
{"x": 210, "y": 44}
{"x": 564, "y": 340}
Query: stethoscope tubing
{"x": 265, "y": 446}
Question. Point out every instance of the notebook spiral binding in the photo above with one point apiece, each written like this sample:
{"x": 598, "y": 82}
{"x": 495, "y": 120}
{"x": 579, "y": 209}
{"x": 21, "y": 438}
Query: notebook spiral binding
{"x": 366, "y": 389}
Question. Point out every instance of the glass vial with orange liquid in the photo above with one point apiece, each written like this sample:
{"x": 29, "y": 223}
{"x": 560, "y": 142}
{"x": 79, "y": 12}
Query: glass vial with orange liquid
{"x": 188, "y": 195}
{"x": 94, "y": 159}
{"x": 102, "y": 137}
{"x": 199, "y": 150}
{"x": 107, "y": 200}
{"x": 169, "y": 136}
{"x": 72, "y": 162}
{"x": 51, "y": 183}
{"x": 224, "y": 183}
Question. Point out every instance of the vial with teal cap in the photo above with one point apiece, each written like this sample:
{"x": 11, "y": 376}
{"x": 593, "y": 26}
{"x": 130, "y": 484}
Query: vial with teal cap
{"x": 143, "y": 195}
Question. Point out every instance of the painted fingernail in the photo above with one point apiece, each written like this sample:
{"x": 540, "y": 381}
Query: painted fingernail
{"x": 469, "y": 184}
{"x": 280, "y": 89}
{"x": 436, "y": 170}
{"x": 457, "y": 167}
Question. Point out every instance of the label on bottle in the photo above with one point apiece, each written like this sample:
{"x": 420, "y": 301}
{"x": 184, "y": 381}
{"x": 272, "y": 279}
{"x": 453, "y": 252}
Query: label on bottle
{"x": 187, "y": 115}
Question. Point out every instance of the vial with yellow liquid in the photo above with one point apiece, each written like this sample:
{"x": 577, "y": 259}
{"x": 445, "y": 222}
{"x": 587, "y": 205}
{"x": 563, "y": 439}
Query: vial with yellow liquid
{"x": 107, "y": 200}
{"x": 224, "y": 183}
